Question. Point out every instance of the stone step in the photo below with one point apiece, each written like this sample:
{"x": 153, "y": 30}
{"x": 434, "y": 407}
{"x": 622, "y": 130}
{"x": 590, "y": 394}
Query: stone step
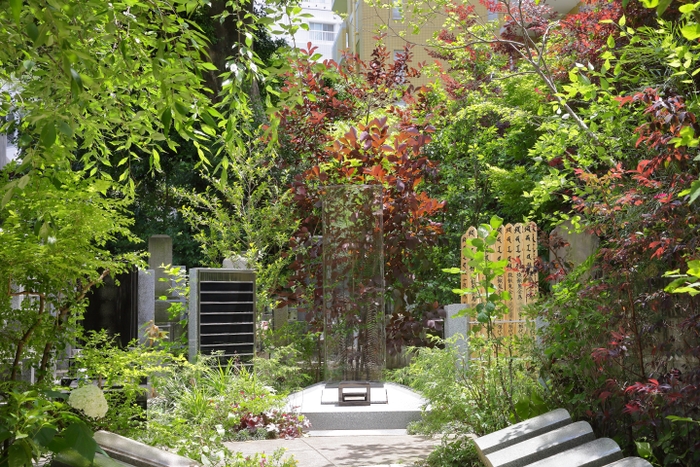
{"x": 353, "y": 420}
{"x": 542, "y": 446}
{"x": 522, "y": 431}
{"x": 598, "y": 453}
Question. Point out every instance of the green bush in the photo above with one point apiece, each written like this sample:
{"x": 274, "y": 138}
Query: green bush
{"x": 453, "y": 452}
{"x": 281, "y": 369}
{"x": 467, "y": 396}
{"x": 205, "y": 401}
{"x": 121, "y": 372}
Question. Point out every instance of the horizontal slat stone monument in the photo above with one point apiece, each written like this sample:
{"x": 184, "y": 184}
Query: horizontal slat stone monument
{"x": 551, "y": 440}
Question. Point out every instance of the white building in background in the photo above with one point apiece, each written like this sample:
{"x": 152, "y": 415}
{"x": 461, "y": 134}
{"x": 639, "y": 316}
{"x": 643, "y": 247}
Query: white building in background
{"x": 323, "y": 24}
{"x": 8, "y": 152}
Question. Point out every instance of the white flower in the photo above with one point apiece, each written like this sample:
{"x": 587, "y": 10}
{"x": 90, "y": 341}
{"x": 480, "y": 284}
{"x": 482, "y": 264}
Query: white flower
{"x": 90, "y": 399}
{"x": 272, "y": 427}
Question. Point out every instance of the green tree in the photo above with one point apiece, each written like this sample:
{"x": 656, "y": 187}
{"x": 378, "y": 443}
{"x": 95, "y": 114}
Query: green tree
{"x": 99, "y": 87}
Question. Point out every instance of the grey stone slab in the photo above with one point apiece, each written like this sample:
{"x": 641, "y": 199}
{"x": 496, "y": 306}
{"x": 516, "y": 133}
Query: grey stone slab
{"x": 630, "y": 462}
{"x": 539, "y": 447}
{"x": 598, "y": 453}
{"x": 377, "y": 396}
{"x": 3, "y": 150}
{"x": 394, "y": 420}
{"x": 522, "y": 431}
{"x": 146, "y": 305}
{"x": 403, "y": 406}
{"x": 160, "y": 250}
{"x": 347, "y": 433}
{"x": 139, "y": 454}
{"x": 455, "y": 325}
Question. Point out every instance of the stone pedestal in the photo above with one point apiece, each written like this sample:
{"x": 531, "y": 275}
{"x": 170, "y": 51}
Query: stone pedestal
{"x": 146, "y": 300}
{"x": 457, "y": 325}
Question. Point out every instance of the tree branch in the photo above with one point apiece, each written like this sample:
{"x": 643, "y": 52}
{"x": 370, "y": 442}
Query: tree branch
{"x": 60, "y": 320}
{"x": 28, "y": 334}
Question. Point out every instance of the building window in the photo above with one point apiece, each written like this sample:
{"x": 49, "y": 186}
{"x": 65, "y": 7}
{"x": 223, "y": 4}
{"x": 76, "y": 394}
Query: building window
{"x": 397, "y": 10}
{"x": 492, "y": 16}
{"x": 321, "y": 32}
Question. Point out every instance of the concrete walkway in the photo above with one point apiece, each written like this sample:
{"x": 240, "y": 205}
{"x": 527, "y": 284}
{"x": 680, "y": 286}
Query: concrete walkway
{"x": 347, "y": 449}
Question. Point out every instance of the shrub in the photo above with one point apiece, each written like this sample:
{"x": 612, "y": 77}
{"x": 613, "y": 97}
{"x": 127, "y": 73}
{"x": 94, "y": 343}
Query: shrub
{"x": 120, "y": 372}
{"x": 205, "y": 400}
{"x": 453, "y": 452}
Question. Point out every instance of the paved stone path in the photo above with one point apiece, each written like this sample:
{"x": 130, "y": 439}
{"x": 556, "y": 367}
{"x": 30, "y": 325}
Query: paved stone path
{"x": 347, "y": 451}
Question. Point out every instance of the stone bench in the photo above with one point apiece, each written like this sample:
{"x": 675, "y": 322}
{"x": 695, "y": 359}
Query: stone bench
{"x": 551, "y": 440}
{"x": 139, "y": 454}
{"x": 125, "y": 452}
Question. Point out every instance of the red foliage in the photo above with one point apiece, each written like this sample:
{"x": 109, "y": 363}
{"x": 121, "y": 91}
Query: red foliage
{"x": 650, "y": 354}
{"x": 368, "y": 153}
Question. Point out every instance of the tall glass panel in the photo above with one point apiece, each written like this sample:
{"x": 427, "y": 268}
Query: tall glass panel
{"x": 353, "y": 283}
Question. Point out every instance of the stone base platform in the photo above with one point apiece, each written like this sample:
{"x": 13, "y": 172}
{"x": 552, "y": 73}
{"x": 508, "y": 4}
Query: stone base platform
{"x": 394, "y": 407}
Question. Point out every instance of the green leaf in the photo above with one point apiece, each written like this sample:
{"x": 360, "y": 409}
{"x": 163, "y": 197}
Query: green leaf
{"x": 44, "y": 230}
{"x": 694, "y": 267}
{"x": 476, "y": 242}
{"x": 611, "y": 42}
{"x": 56, "y": 394}
{"x": 45, "y": 436}
{"x": 694, "y": 191}
{"x": 20, "y": 454}
{"x": 77, "y": 437}
{"x": 65, "y": 128}
{"x": 101, "y": 186}
{"x": 16, "y": 9}
{"x": 691, "y": 31}
{"x": 644, "y": 449}
{"x": 7, "y": 197}
{"x": 468, "y": 253}
{"x": 495, "y": 222}
{"x": 208, "y": 119}
{"x": 675, "y": 418}
{"x": 452, "y": 270}
{"x": 75, "y": 76}
{"x": 23, "y": 181}
{"x": 181, "y": 109}
{"x": 32, "y": 31}
{"x": 48, "y": 134}
{"x": 663, "y": 4}
{"x": 156, "y": 159}
{"x": 167, "y": 119}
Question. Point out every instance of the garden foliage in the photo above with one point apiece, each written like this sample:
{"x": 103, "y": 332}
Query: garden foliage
{"x": 346, "y": 129}
{"x": 613, "y": 112}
